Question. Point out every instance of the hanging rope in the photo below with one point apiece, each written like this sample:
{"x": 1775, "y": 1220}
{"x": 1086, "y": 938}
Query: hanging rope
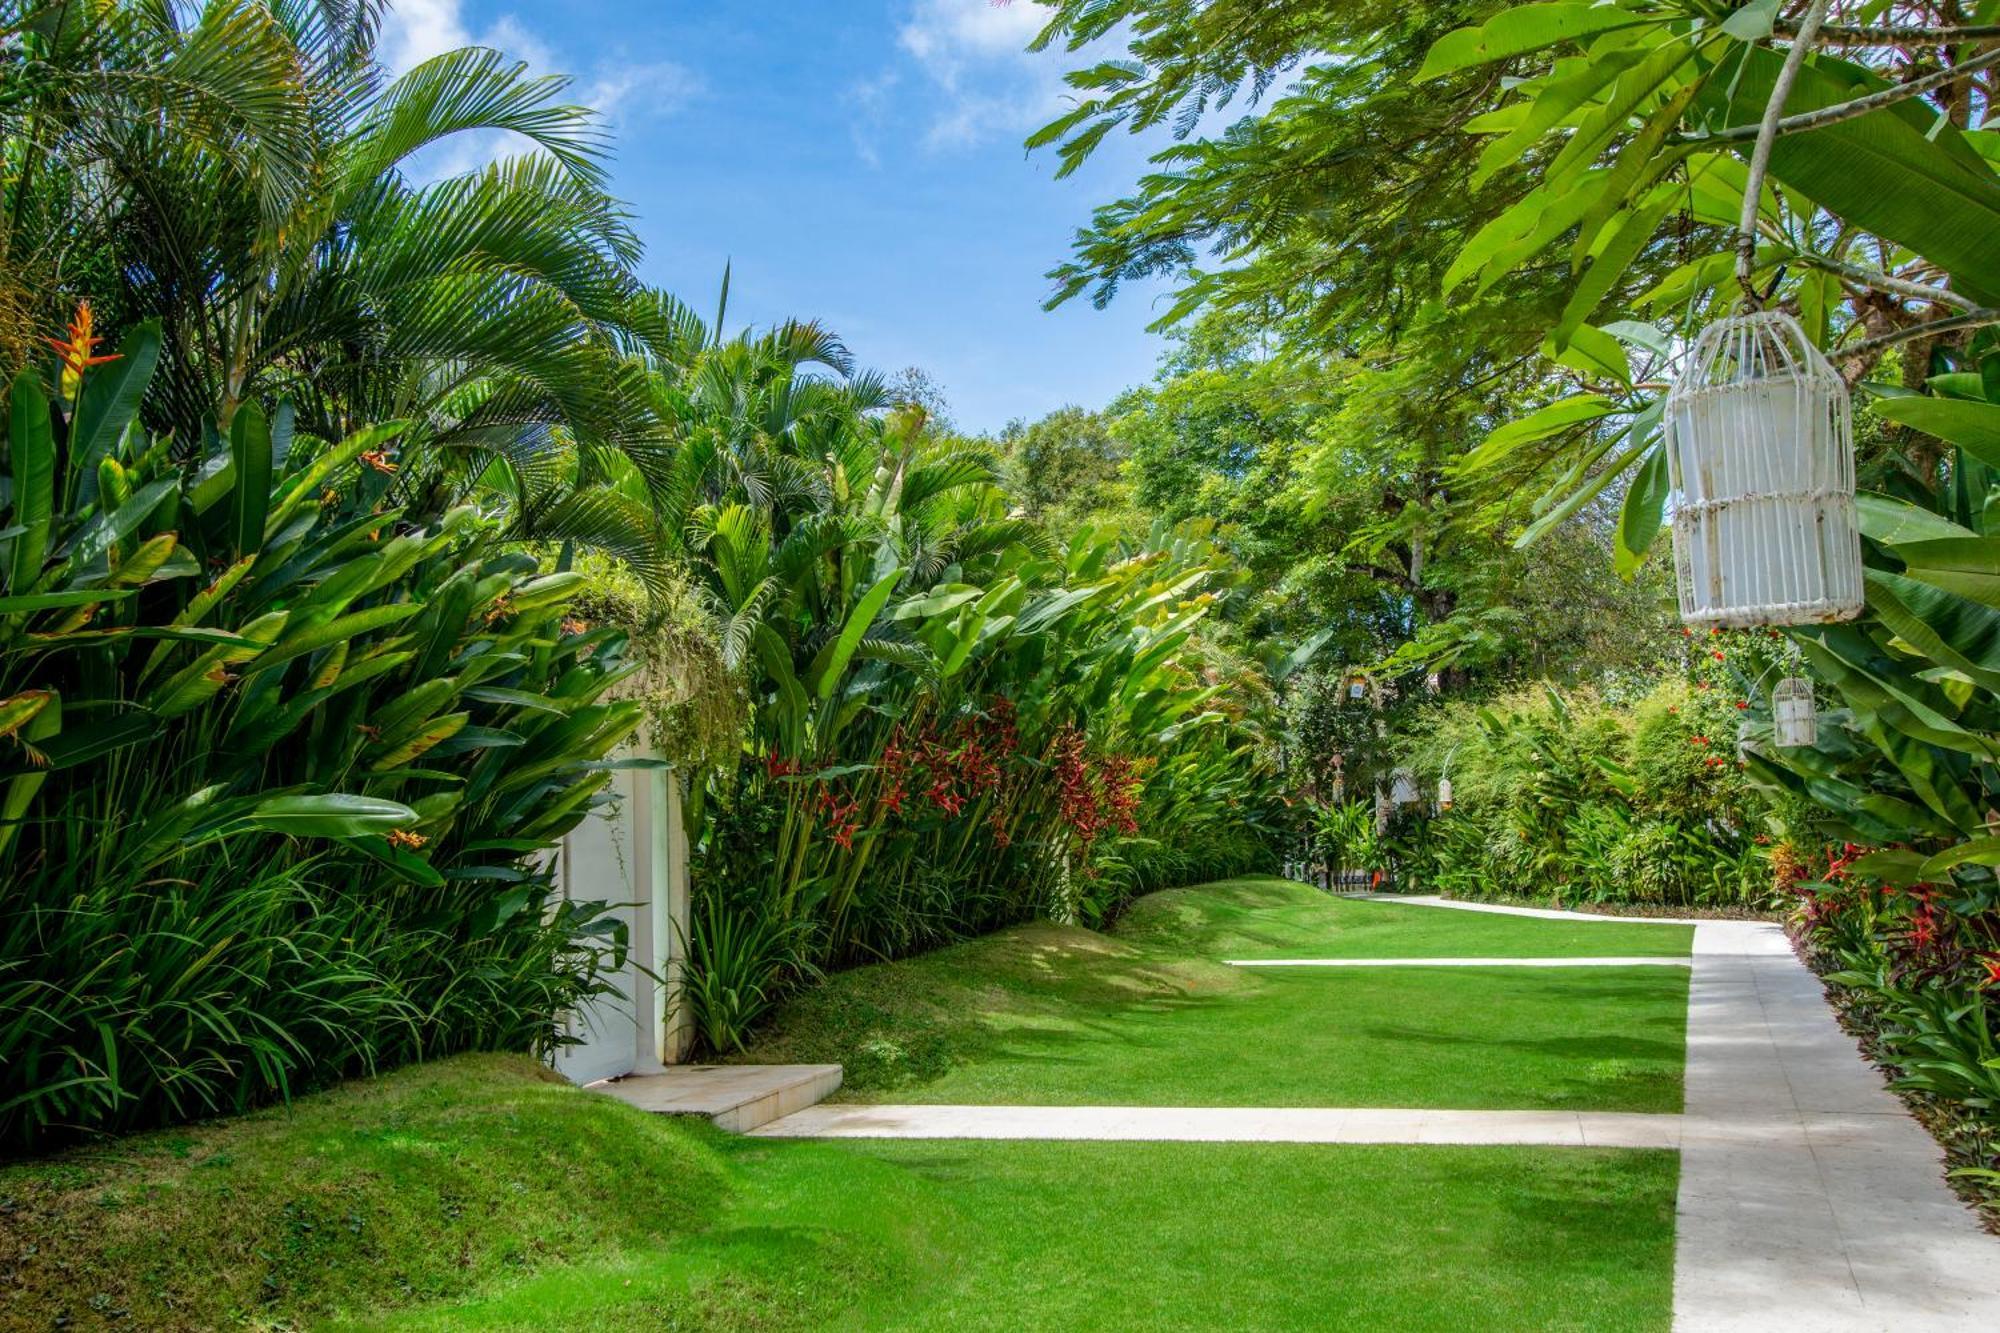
{"x": 1760, "y": 156}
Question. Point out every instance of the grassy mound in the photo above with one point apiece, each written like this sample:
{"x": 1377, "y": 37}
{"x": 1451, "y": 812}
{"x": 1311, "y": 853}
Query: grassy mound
{"x": 401, "y": 1190}
{"x": 1150, "y": 1015}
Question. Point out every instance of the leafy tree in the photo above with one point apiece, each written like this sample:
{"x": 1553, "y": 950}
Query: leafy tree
{"x": 240, "y": 172}
{"x": 1064, "y": 470}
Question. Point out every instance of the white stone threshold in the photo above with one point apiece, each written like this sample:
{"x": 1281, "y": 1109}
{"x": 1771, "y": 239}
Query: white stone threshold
{"x": 1231, "y": 1124}
{"x": 1634, "y": 961}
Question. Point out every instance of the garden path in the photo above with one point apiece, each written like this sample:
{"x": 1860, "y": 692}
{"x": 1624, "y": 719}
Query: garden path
{"x": 1809, "y": 1198}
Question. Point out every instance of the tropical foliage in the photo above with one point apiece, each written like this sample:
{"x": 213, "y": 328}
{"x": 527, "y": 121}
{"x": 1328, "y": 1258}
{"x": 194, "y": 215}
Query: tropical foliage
{"x": 956, "y": 720}
{"x": 272, "y": 749}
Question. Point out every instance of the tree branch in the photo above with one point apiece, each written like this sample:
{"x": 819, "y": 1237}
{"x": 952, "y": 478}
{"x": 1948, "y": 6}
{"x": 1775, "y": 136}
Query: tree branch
{"x": 1885, "y": 282}
{"x": 1860, "y": 106}
{"x": 1851, "y": 35}
{"x": 1760, "y": 156}
{"x": 1971, "y": 319}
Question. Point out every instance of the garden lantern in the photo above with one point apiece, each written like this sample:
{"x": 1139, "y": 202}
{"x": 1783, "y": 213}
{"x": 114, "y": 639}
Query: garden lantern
{"x": 1794, "y": 715}
{"x": 1760, "y": 458}
{"x": 1357, "y": 688}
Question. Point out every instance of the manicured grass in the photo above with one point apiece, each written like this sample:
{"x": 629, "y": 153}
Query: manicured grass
{"x": 915, "y": 1235}
{"x": 1059, "y": 1016}
{"x": 477, "y": 1194}
{"x": 1275, "y": 918}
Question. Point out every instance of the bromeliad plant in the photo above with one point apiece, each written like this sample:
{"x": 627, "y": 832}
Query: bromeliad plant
{"x": 275, "y": 753}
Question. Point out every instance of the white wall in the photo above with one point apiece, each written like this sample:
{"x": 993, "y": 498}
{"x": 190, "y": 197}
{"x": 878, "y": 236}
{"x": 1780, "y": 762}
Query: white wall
{"x": 633, "y": 854}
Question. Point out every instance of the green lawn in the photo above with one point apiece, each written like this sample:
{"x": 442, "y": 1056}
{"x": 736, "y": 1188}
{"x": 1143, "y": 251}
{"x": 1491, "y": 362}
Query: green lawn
{"x": 1140, "y": 1236}
{"x": 1274, "y": 918}
{"x": 480, "y": 1192}
{"x": 1051, "y": 1015}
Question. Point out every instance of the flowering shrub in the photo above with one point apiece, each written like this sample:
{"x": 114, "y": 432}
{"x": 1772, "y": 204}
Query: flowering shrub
{"x": 1071, "y": 745}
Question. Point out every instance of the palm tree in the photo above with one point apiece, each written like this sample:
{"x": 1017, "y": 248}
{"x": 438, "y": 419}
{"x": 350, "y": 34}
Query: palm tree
{"x": 241, "y": 173}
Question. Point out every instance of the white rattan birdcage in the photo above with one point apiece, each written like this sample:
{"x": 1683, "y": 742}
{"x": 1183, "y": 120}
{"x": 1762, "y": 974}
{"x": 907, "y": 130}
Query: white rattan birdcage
{"x": 1794, "y": 715}
{"x": 1760, "y": 457}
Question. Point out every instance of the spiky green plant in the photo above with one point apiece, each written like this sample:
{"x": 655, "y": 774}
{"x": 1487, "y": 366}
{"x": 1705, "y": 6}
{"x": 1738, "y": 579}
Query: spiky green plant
{"x": 277, "y": 762}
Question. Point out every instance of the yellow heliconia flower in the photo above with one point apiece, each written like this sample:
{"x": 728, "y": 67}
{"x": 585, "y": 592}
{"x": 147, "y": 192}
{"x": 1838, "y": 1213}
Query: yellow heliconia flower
{"x": 77, "y": 351}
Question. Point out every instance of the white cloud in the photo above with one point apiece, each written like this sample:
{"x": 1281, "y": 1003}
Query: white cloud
{"x": 623, "y": 91}
{"x": 413, "y": 31}
{"x": 974, "y": 54}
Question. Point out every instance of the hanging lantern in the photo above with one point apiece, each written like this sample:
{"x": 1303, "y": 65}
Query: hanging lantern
{"x": 1794, "y": 715}
{"x": 1444, "y": 793}
{"x": 1760, "y": 457}
{"x": 1357, "y": 688}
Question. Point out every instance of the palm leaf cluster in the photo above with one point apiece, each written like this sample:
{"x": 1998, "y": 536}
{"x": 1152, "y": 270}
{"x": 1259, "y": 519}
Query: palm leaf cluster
{"x": 246, "y": 173}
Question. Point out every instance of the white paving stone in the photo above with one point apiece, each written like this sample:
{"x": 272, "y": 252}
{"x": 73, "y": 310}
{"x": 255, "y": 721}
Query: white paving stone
{"x": 1634, "y": 961}
{"x": 1247, "y": 1124}
{"x": 1545, "y": 913}
{"x": 1809, "y": 1199}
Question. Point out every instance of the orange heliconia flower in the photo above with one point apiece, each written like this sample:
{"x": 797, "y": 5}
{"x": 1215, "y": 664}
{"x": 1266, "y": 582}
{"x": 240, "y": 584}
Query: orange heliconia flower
{"x": 77, "y": 352}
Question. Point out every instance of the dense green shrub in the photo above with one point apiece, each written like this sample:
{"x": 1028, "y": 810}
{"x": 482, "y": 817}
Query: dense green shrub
{"x": 274, "y": 753}
{"x": 1573, "y": 798}
{"x": 954, "y": 721}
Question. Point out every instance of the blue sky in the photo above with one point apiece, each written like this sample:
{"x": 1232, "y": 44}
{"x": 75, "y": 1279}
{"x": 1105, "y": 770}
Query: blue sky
{"x": 858, "y": 161}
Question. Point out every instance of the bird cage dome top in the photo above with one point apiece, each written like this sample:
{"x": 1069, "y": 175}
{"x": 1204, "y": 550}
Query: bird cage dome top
{"x": 1760, "y": 456}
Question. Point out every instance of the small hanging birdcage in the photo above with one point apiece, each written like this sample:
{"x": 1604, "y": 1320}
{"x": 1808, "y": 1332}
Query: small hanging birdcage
{"x": 1444, "y": 793}
{"x": 1760, "y": 457}
{"x": 1794, "y": 715}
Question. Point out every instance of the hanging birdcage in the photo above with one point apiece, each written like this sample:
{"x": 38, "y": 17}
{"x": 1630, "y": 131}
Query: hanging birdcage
{"x": 1444, "y": 794}
{"x": 1760, "y": 457}
{"x": 1794, "y": 714}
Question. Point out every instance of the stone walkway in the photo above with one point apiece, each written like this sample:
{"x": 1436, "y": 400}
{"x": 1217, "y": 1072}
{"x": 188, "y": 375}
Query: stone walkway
{"x": 1810, "y": 1202}
{"x": 1648, "y": 961}
{"x": 1809, "y": 1198}
{"x": 1232, "y": 1124}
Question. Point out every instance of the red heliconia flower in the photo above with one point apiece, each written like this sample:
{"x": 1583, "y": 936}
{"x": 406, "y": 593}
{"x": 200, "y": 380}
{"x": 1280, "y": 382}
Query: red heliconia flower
{"x": 777, "y": 766}
{"x": 1742, "y": 703}
{"x": 1991, "y": 962}
{"x": 1697, "y": 740}
{"x": 1716, "y": 654}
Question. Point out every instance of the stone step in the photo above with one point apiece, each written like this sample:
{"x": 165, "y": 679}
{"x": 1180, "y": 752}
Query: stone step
{"x": 736, "y": 1097}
